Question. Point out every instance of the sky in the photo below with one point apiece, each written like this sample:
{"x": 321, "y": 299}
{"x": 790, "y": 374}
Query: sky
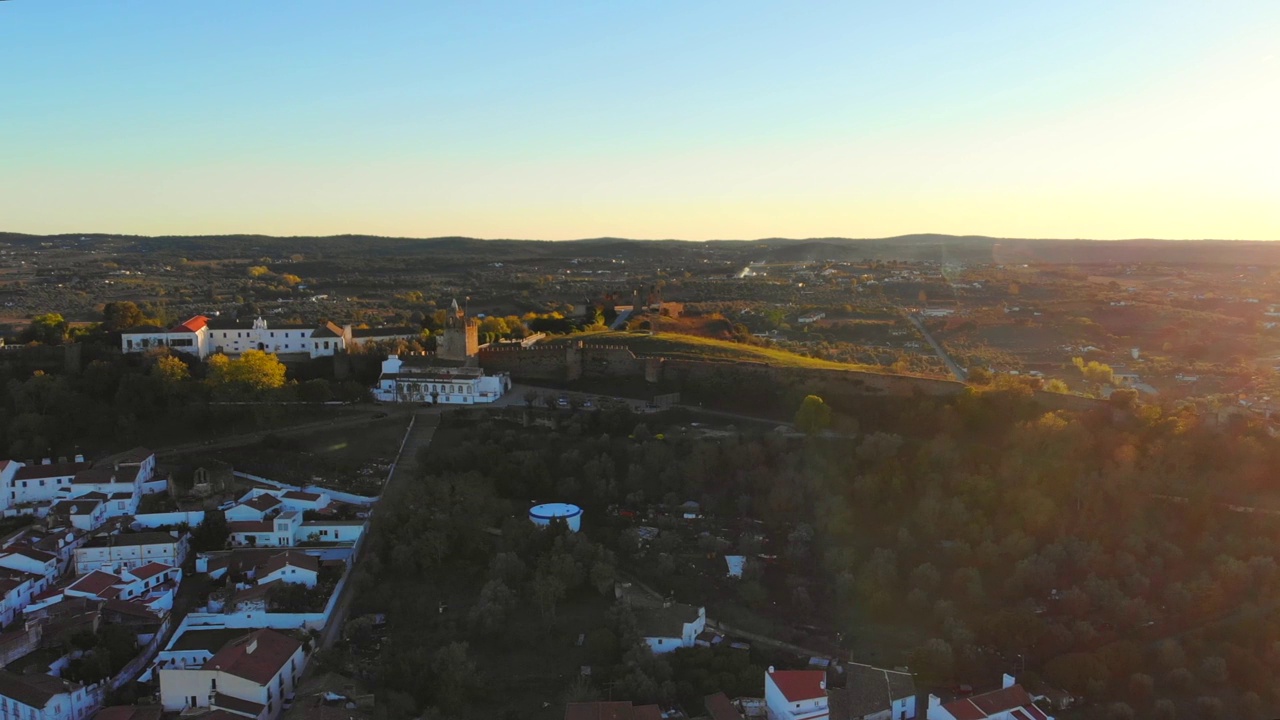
{"x": 698, "y": 120}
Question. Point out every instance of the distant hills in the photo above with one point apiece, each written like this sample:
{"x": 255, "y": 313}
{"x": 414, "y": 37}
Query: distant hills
{"x": 966, "y": 249}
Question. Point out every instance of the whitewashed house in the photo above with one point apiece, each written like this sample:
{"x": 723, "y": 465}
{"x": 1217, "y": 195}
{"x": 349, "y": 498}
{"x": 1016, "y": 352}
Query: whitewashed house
{"x": 85, "y": 513}
{"x": 250, "y": 676}
{"x": 872, "y": 693}
{"x": 278, "y": 531}
{"x": 44, "y": 697}
{"x": 796, "y": 695}
{"x": 291, "y": 566}
{"x": 254, "y": 508}
{"x": 131, "y": 550}
{"x": 1010, "y": 702}
{"x": 202, "y": 337}
{"x": 671, "y": 627}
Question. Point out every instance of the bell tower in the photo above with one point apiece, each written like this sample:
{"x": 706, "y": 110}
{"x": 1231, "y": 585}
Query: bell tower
{"x": 461, "y": 338}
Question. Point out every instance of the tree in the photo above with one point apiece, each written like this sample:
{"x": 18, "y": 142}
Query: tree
{"x": 935, "y": 659}
{"x": 48, "y": 329}
{"x": 1056, "y": 386}
{"x": 454, "y": 675}
{"x": 1124, "y": 398}
{"x": 170, "y": 370}
{"x": 1164, "y": 709}
{"x": 814, "y": 415}
{"x": 1094, "y": 371}
{"x": 117, "y": 316}
{"x": 548, "y": 590}
{"x": 257, "y": 271}
{"x": 254, "y": 370}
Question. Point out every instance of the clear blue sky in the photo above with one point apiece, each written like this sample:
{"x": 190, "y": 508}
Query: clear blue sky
{"x": 659, "y": 119}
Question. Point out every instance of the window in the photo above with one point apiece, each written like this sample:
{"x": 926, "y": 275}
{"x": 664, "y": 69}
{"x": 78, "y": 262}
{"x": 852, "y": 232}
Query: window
{"x": 41, "y": 483}
{"x": 213, "y": 684}
{"x": 326, "y": 344}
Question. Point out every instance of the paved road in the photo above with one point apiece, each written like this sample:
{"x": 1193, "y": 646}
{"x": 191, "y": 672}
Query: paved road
{"x": 955, "y": 369}
{"x": 417, "y": 437}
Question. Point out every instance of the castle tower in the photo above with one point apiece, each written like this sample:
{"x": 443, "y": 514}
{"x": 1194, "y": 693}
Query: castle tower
{"x": 461, "y": 338}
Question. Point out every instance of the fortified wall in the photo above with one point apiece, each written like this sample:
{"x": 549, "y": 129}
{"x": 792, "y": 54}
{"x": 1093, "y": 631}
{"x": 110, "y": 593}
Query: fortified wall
{"x": 710, "y": 379}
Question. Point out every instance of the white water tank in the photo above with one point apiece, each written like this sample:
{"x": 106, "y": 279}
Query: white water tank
{"x": 543, "y": 514}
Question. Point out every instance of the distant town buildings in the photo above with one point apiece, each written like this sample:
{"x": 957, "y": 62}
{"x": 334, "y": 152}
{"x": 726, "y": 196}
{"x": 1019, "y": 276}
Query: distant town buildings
{"x": 202, "y": 337}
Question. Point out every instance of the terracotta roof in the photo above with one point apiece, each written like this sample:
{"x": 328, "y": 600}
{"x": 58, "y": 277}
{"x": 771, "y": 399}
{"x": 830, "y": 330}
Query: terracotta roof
{"x": 33, "y": 690}
{"x": 300, "y": 495}
{"x": 236, "y": 705}
{"x": 798, "y": 685}
{"x": 95, "y": 583}
{"x": 256, "y": 657}
{"x": 327, "y": 330}
{"x": 251, "y": 526}
{"x": 254, "y": 592}
{"x": 37, "y": 472}
{"x": 1001, "y": 700}
{"x": 719, "y": 707}
{"x": 289, "y": 557}
{"x": 79, "y": 506}
{"x": 150, "y": 570}
{"x": 128, "y": 607}
{"x": 991, "y": 703}
{"x": 38, "y": 555}
{"x": 262, "y": 503}
{"x": 611, "y": 711}
{"x": 130, "y": 712}
{"x": 195, "y": 324}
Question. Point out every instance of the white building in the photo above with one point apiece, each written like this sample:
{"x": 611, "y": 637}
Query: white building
{"x": 250, "y": 676}
{"x": 278, "y": 531}
{"x": 419, "y": 378}
{"x": 796, "y": 694}
{"x": 1010, "y": 702}
{"x": 152, "y": 586}
{"x": 117, "y": 481}
{"x": 44, "y": 697}
{"x": 83, "y": 513}
{"x": 871, "y": 693}
{"x": 130, "y": 550}
{"x": 290, "y": 566}
{"x": 203, "y": 337}
{"x": 671, "y": 627}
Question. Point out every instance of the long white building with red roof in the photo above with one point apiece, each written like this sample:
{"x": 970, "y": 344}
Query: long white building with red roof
{"x": 201, "y": 336}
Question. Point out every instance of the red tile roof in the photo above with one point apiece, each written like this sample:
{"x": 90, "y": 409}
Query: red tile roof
{"x": 195, "y": 324}
{"x": 129, "y": 607}
{"x": 130, "y": 712}
{"x": 95, "y": 583}
{"x": 289, "y": 557}
{"x": 150, "y": 570}
{"x": 256, "y": 657}
{"x": 37, "y": 472}
{"x": 992, "y": 703}
{"x": 798, "y": 685}
{"x": 237, "y": 705}
{"x": 262, "y": 503}
{"x": 32, "y": 553}
{"x": 719, "y": 707}
{"x": 300, "y": 495}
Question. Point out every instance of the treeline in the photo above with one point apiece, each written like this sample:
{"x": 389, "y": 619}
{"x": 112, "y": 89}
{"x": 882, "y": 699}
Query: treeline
{"x": 994, "y": 526}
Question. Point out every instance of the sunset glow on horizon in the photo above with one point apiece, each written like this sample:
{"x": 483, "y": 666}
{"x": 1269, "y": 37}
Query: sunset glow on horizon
{"x": 663, "y": 120}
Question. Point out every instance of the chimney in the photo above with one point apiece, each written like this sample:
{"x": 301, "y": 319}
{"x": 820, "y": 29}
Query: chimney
{"x": 79, "y": 458}
{"x": 46, "y": 461}
{"x": 934, "y": 701}
{"x": 770, "y": 669}
{"x": 822, "y": 683}
{"x": 1007, "y": 681}
{"x": 253, "y": 645}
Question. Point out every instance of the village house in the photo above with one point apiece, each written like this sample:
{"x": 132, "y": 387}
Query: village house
{"x": 153, "y": 586}
{"x": 291, "y": 567}
{"x": 671, "y": 627}
{"x": 131, "y": 550}
{"x": 249, "y": 676}
{"x": 85, "y": 513}
{"x": 254, "y": 508}
{"x": 43, "y": 697}
{"x": 1010, "y": 702}
{"x": 871, "y": 693}
{"x": 116, "y": 481}
{"x": 796, "y": 694}
{"x": 202, "y": 337}
{"x": 279, "y": 530}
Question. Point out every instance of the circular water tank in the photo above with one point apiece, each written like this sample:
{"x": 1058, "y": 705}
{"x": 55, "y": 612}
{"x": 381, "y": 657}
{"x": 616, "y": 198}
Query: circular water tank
{"x": 543, "y": 514}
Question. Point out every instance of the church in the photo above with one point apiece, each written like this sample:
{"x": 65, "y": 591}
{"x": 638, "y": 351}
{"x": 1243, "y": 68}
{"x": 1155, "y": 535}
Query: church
{"x": 450, "y": 377}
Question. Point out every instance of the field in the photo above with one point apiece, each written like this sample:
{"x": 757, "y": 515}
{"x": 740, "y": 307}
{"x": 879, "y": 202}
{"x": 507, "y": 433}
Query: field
{"x": 349, "y": 459}
{"x": 700, "y": 348}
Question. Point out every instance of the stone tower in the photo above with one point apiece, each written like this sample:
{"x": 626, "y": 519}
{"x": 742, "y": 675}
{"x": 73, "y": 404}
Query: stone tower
{"x": 461, "y": 339}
